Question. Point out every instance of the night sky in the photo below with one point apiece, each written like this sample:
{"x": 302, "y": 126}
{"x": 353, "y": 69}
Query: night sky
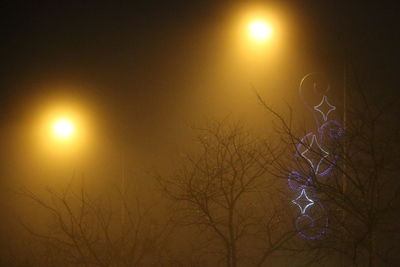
{"x": 146, "y": 71}
{"x": 140, "y": 57}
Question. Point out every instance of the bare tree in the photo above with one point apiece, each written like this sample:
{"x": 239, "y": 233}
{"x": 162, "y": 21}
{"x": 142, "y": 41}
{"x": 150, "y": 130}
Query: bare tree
{"x": 362, "y": 192}
{"x": 89, "y": 231}
{"x": 225, "y": 192}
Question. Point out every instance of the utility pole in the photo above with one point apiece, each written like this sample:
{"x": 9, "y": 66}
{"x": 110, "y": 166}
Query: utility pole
{"x": 124, "y": 185}
{"x": 344, "y": 180}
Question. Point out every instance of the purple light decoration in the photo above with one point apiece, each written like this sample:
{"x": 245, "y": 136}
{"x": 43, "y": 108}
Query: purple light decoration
{"x": 297, "y": 182}
{"x": 302, "y": 144}
{"x": 309, "y": 144}
{"x": 324, "y": 220}
{"x": 330, "y": 168}
{"x": 333, "y": 128}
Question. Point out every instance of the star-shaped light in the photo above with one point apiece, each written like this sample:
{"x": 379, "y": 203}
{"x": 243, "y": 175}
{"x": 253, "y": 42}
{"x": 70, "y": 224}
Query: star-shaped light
{"x": 303, "y": 201}
{"x": 324, "y": 107}
{"x": 316, "y": 150}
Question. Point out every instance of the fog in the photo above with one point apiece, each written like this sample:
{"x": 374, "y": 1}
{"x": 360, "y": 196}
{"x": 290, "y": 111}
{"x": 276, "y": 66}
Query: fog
{"x": 139, "y": 80}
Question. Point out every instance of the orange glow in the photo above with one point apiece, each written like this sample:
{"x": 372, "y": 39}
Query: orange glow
{"x": 258, "y": 33}
{"x": 260, "y": 30}
{"x": 63, "y": 128}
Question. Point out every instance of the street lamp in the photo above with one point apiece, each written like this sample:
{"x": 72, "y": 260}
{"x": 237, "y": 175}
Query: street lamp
{"x": 63, "y": 128}
{"x": 260, "y": 30}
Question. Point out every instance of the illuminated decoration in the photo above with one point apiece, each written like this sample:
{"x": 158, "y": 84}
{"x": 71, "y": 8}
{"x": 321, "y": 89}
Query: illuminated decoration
{"x": 312, "y": 150}
{"x": 318, "y": 151}
{"x": 303, "y": 201}
{"x": 324, "y": 103}
{"x": 332, "y": 128}
{"x": 313, "y": 225}
{"x": 297, "y": 182}
{"x": 317, "y": 161}
{"x": 330, "y": 167}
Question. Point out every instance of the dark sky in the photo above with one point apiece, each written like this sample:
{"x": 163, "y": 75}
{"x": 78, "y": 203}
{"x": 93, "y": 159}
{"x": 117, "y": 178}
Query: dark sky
{"x": 141, "y": 64}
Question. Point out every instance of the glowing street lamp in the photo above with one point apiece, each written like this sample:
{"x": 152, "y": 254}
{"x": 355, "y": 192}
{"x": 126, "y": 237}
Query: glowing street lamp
{"x": 260, "y": 30}
{"x": 63, "y": 128}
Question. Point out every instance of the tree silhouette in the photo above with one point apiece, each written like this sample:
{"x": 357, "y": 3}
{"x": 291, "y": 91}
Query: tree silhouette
{"x": 89, "y": 231}
{"x": 225, "y": 192}
{"x": 362, "y": 193}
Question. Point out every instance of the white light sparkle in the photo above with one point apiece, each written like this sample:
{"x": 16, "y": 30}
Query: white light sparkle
{"x": 324, "y": 102}
{"x": 320, "y": 152}
{"x": 303, "y": 199}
